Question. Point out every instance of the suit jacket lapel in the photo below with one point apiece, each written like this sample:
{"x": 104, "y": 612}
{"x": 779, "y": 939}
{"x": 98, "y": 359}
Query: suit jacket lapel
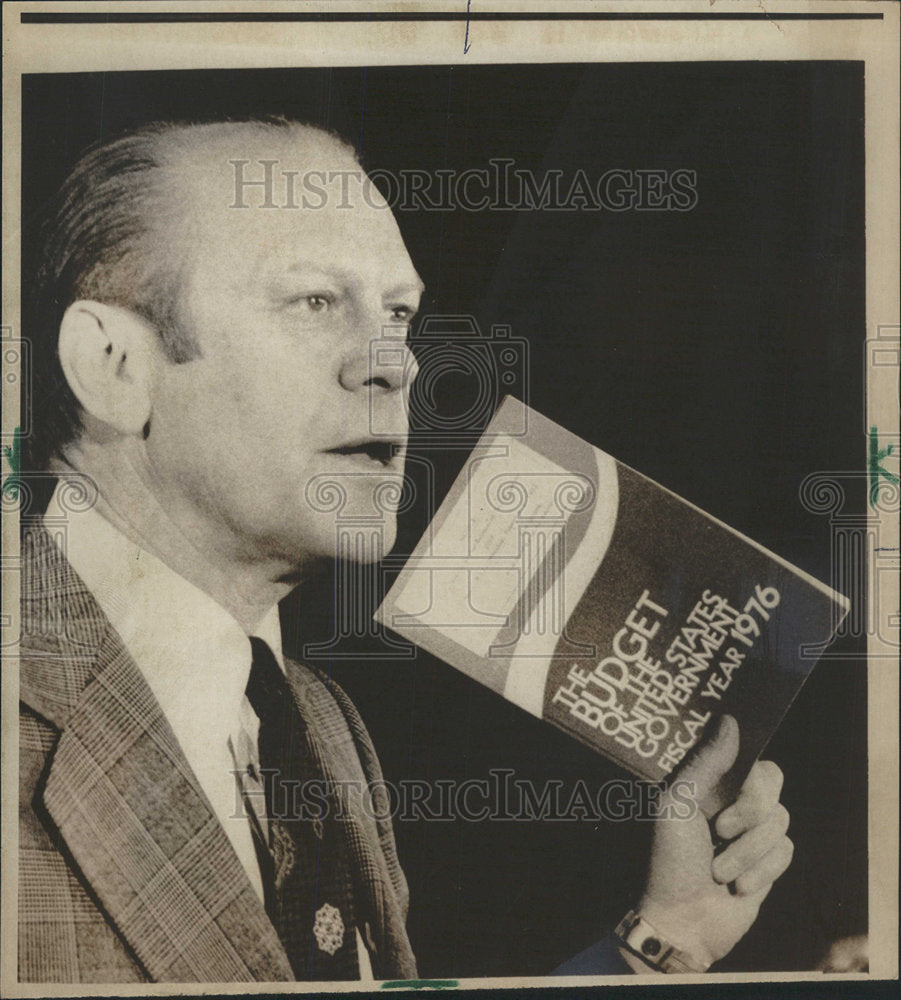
{"x": 343, "y": 754}
{"x": 125, "y": 800}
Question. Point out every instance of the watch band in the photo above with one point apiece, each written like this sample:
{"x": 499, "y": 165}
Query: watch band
{"x": 643, "y": 941}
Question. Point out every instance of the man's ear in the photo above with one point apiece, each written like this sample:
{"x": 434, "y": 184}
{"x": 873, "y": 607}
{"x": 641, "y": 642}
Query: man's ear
{"x": 110, "y": 357}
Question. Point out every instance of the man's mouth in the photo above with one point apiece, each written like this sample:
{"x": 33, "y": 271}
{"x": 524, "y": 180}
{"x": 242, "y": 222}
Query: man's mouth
{"x": 380, "y": 451}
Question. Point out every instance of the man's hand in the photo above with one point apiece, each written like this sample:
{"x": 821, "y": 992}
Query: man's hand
{"x": 704, "y": 902}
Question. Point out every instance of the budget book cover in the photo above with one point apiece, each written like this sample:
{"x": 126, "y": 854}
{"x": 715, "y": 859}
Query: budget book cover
{"x": 598, "y": 600}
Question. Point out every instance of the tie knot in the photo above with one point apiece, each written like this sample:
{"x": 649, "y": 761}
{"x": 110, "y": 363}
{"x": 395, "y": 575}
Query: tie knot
{"x": 267, "y": 687}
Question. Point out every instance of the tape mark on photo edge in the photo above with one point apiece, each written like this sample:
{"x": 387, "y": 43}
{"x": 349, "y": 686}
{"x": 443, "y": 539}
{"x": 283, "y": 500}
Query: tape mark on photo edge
{"x": 875, "y": 469}
{"x": 14, "y": 457}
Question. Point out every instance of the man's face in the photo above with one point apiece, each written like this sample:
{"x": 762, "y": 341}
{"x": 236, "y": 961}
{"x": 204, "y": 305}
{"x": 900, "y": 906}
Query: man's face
{"x": 267, "y": 443}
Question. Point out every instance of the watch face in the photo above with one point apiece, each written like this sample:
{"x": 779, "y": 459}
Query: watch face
{"x": 651, "y": 946}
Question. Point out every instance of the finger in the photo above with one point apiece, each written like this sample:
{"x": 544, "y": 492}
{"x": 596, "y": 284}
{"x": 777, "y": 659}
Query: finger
{"x": 744, "y": 853}
{"x": 710, "y": 761}
{"x": 761, "y": 877}
{"x": 757, "y": 797}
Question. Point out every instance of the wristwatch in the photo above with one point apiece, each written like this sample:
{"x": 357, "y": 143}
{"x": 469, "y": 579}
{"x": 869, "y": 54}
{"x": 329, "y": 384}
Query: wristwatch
{"x": 642, "y": 940}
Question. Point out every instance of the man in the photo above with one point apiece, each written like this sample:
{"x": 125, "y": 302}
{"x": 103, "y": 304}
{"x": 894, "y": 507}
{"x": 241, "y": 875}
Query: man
{"x": 205, "y": 350}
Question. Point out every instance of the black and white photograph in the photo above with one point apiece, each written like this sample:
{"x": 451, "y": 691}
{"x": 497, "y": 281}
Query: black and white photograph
{"x": 450, "y": 497}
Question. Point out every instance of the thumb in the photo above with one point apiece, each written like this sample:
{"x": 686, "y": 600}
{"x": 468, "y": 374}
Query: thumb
{"x": 708, "y": 764}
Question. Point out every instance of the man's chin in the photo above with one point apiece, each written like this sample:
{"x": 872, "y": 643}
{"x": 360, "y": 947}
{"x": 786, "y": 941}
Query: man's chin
{"x": 365, "y": 544}
{"x": 355, "y": 541}
{"x": 353, "y": 517}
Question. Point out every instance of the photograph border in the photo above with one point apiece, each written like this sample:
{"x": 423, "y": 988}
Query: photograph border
{"x": 75, "y": 37}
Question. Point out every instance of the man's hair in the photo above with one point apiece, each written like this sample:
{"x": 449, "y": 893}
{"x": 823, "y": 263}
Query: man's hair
{"x": 111, "y": 235}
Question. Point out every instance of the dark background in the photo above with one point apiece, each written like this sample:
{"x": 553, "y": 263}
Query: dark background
{"x": 719, "y": 351}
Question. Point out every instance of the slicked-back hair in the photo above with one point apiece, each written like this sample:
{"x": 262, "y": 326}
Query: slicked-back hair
{"x": 111, "y": 235}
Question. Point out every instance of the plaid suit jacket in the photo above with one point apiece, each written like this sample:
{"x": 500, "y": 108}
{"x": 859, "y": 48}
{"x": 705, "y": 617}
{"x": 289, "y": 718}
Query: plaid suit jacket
{"x": 125, "y": 874}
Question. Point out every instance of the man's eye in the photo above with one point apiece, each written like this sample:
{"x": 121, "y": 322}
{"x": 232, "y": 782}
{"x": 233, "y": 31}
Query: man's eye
{"x": 318, "y": 302}
{"x": 403, "y": 314}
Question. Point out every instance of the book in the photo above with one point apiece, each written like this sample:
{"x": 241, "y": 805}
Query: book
{"x": 601, "y": 602}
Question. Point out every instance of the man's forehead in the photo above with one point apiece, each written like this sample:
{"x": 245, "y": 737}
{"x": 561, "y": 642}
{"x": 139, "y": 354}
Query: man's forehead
{"x": 293, "y": 144}
{"x": 270, "y": 168}
{"x": 274, "y": 202}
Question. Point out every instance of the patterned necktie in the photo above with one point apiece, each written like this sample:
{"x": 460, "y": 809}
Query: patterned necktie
{"x": 307, "y": 876}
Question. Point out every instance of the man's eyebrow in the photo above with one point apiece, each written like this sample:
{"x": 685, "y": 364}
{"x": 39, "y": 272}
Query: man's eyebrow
{"x": 415, "y": 284}
{"x": 417, "y": 287}
{"x": 309, "y": 264}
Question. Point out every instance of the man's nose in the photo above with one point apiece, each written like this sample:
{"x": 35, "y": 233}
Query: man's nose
{"x": 386, "y": 364}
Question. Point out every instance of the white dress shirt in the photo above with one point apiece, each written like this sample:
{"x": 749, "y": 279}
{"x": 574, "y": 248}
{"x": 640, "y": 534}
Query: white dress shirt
{"x": 194, "y": 656}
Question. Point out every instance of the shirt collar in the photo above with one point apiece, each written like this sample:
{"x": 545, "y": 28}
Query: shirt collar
{"x": 192, "y": 652}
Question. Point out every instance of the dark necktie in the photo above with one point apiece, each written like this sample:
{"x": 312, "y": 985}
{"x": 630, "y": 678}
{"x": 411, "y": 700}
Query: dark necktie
{"x": 307, "y": 875}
